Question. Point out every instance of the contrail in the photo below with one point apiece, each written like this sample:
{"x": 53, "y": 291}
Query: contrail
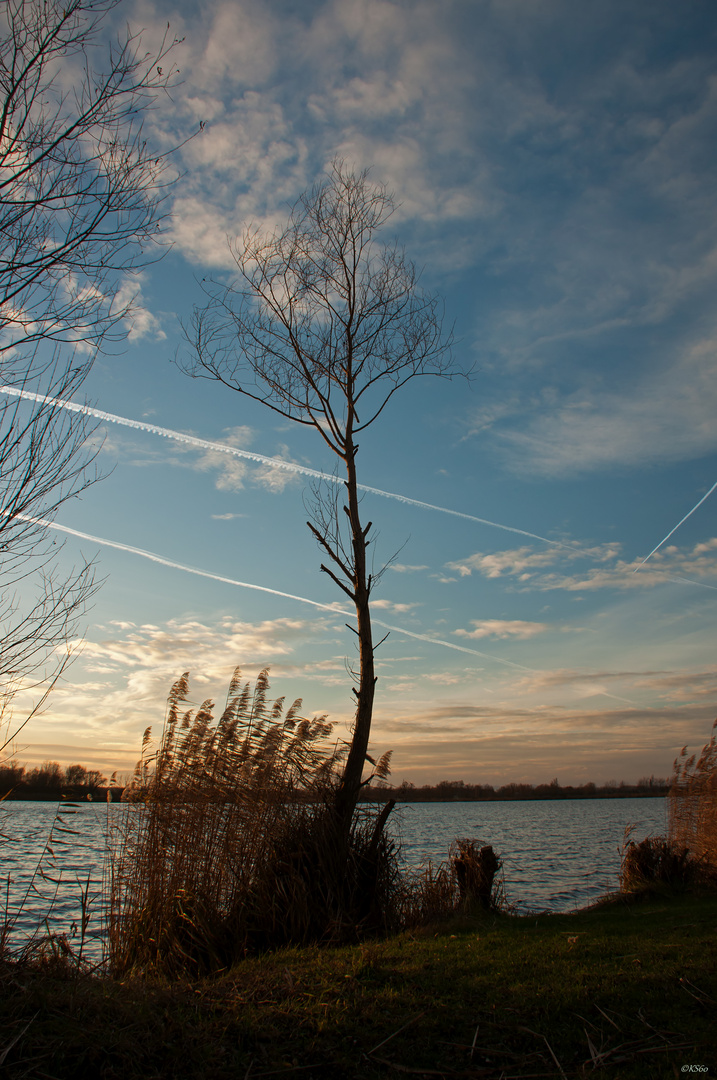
{"x": 689, "y": 581}
{"x": 250, "y": 455}
{"x": 666, "y": 538}
{"x": 333, "y": 608}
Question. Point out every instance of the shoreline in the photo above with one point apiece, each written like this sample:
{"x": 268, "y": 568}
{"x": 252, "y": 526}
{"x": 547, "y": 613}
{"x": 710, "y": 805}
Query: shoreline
{"x": 628, "y": 987}
{"x": 99, "y": 795}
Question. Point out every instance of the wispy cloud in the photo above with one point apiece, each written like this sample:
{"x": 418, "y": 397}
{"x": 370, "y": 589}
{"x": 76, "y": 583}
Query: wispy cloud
{"x": 491, "y": 743}
{"x": 665, "y": 415}
{"x": 141, "y": 322}
{"x": 530, "y": 570}
{"x": 503, "y": 628}
{"x": 124, "y": 673}
{"x": 393, "y": 606}
{"x": 523, "y": 562}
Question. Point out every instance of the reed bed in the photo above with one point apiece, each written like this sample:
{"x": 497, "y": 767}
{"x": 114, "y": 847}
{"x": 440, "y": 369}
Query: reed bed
{"x": 687, "y": 856}
{"x": 229, "y": 844}
{"x": 692, "y": 805}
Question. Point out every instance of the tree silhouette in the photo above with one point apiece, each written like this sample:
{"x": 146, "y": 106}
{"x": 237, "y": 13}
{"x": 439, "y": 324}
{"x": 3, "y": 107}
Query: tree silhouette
{"x": 81, "y": 200}
{"x": 323, "y": 326}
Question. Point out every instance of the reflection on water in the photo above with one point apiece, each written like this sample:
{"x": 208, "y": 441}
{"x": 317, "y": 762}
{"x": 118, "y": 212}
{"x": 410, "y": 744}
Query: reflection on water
{"x": 557, "y": 855}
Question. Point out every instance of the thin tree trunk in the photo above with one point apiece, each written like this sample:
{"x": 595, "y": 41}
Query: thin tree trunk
{"x": 350, "y": 786}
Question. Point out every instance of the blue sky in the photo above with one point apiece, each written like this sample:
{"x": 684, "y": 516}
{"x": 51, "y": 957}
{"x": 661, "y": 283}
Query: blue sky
{"x": 554, "y": 169}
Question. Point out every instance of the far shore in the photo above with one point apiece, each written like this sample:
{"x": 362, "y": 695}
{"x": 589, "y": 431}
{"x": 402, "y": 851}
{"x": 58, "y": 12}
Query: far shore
{"x": 25, "y": 793}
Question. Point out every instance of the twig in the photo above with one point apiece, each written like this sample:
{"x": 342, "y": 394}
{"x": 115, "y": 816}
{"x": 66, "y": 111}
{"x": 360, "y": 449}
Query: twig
{"x": 704, "y": 997}
{"x": 291, "y": 1068}
{"x": 473, "y": 1045}
{"x": 12, "y": 1042}
{"x": 480, "y": 1071}
{"x": 398, "y": 1032}
{"x": 539, "y": 1036}
{"x": 608, "y": 1019}
{"x": 594, "y": 1053}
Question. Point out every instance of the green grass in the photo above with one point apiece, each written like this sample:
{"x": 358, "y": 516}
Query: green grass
{"x": 491, "y": 996}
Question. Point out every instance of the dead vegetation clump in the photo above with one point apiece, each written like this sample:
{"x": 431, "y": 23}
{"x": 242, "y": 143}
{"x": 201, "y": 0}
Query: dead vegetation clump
{"x": 475, "y": 869}
{"x": 656, "y": 862}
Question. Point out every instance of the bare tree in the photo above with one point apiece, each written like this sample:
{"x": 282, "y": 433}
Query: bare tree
{"x": 324, "y": 325}
{"x": 81, "y": 200}
{"x": 81, "y": 191}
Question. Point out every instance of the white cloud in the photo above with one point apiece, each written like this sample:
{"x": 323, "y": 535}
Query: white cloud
{"x": 503, "y": 629}
{"x": 240, "y": 48}
{"x": 267, "y": 138}
{"x": 530, "y": 570}
{"x": 275, "y": 479}
{"x": 123, "y": 675}
{"x": 230, "y": 473}
{"x": 198, "y": 645}
{"x": 393, "y": 607}
{"x": 141, "y": 322}
{"x": 524, "y": 561}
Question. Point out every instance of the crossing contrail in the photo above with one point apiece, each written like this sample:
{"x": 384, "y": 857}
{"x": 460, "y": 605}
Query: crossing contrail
{"x": 334, "y": 608}
{"x": 681, "y": 522}
{"x": 260, "y": 459}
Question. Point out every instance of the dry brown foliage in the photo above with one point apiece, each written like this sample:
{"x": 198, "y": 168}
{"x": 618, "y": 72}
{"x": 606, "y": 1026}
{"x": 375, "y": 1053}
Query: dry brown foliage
{"x": 688, "y": 855}
{"x": 475, "y": 868}
{"x": 228, "y": 844}
{"x": 656, "y": 862}
{"x": 692, "y": 803}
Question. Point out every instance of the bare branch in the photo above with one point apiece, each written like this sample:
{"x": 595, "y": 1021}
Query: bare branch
{"x": 323, "y": 325}
{"x": 81, "y": 202}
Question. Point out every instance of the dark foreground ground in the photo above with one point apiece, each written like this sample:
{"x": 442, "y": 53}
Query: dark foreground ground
{"x": 623, "y": 990}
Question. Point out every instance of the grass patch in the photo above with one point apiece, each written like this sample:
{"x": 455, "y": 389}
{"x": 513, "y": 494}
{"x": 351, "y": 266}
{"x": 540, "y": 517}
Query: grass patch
{"x": 626, "y": 989}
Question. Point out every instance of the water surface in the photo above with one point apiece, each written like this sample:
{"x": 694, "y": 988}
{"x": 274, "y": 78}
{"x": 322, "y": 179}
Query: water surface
{"x": 558, "y": 855}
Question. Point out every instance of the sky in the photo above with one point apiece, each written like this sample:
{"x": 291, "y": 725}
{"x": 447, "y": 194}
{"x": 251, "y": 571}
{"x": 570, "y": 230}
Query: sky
{"x": 553, "y": 166}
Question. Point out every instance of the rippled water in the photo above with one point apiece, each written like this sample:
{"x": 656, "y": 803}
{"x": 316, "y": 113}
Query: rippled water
{"x": 52, "y": 866}
{"x": 557, "y": 855}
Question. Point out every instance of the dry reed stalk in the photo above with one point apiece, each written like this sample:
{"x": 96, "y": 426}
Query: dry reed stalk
{"x": 692, "y": 802}
{"x": 229, "y": 841}
{"x": 688, "y": 855}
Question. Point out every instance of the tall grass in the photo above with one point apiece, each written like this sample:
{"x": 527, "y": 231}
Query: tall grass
{"x": 229, "y": 842}
{"x": 692, "y": 802}
{"x": 687, "y": 856}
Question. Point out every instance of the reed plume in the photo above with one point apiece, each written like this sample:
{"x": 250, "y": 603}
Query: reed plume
{"x": 229, "y": 845}
{"x": 692, "y": 802}
{"x": 687, "y": 856}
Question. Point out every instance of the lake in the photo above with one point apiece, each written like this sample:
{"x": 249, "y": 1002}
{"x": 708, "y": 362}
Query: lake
{"x": 558, "y": 855}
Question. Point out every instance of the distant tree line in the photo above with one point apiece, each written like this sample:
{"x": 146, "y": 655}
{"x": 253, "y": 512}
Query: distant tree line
{"x": 49, "y": 780}
{"x": 458, "y": 791}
